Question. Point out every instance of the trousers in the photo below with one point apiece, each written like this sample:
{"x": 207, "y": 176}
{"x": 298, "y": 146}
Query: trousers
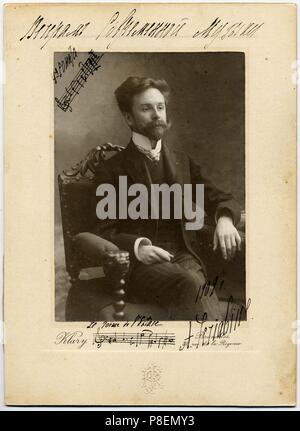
{"x": 179, "y": 285}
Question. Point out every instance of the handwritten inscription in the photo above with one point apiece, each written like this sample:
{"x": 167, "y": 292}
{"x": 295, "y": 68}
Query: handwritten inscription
{"x": 63, "y": 65}
{"x": 209, "y": 288}
{"x": 87, "y": 68}
{"x": 203, "y": 333}
{"x": 119, "y": 27}
{"x": 227, "y": 30}
{"x": 44, "y": 31}
{"x": 130, "y": 26}
{"x": 144, "y": 321}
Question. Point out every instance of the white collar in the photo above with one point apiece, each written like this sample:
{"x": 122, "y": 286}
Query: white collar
{"x": 142, "y": 141}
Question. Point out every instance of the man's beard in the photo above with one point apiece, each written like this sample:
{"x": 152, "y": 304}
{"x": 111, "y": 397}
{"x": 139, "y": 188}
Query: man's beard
{"x": 155, "y": 130}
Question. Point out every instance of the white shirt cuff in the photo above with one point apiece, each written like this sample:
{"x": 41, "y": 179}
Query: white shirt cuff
{"x": 217, "y": 216}
{"x": 138, "y": 242}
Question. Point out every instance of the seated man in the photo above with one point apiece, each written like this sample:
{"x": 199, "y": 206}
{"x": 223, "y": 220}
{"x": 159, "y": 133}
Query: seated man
{"x": 166, "y": 266}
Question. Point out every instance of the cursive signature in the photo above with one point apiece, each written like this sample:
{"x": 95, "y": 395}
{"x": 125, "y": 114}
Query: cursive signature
{"x": 206, "y": 333}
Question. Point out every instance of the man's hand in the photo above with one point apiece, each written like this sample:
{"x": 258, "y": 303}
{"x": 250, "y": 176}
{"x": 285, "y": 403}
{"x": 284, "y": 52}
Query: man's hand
{"x": 227, "y": 237}
{"x": 149, "y": 254}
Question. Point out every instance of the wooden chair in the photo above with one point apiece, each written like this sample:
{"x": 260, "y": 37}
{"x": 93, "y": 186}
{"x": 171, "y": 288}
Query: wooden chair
{"x": 98, "y": 269}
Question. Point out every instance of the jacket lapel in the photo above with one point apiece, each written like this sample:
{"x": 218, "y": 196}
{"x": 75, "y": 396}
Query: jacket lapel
{"x": 176, "y": 166}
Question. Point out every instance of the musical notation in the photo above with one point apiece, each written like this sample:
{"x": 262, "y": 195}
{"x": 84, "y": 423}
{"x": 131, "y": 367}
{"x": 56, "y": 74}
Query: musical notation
{"x": 145, "y": 337}
{"x": 86, "y": 69}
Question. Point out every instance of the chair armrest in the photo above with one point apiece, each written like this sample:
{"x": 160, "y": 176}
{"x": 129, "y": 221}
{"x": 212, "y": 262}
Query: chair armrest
{"x": 93, "y": 247}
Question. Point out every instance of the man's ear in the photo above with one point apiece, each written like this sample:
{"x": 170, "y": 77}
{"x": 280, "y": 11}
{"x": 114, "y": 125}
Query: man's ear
{"x": 128, "y": 118}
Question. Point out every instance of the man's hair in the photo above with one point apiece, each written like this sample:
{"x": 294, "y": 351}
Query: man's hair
{"x": 135, "y": 85}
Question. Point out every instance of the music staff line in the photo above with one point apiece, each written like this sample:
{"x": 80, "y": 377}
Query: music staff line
{"x": 145, "y": 337}
{"x": 86, "y": 69}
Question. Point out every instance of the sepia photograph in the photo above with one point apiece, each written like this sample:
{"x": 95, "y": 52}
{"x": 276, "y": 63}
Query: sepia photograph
{"x": 149, "y": 186}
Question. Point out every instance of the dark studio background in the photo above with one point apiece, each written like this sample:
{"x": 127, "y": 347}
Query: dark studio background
{"x": 207, "y": 109}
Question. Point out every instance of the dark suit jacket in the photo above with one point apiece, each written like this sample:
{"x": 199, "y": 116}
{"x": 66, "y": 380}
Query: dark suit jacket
{"x": 180, "y": 169}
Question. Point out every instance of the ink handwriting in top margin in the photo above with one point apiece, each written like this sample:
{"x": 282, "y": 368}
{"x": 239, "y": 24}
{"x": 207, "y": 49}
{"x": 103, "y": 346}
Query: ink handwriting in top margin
{"x": 132, "y": 26}
{"x": 86, "y": 68}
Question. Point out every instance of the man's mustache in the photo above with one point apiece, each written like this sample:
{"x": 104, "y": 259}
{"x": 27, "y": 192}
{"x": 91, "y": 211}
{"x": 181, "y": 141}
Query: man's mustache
{"x": 160, "y": 123}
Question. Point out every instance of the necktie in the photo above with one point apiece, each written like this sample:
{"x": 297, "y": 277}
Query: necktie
{"x": 153, "y": 155}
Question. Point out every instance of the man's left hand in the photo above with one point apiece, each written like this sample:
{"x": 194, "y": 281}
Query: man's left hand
{"x": 227, "y": 237}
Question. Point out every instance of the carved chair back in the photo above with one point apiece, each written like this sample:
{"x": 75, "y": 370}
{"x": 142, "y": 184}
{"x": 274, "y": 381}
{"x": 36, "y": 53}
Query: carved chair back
{"x": 75, "y": 189}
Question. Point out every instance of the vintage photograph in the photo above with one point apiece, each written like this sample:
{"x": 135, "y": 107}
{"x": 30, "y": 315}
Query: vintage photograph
{"x": 149, "y": 186}
{"x": 150, "y": 211}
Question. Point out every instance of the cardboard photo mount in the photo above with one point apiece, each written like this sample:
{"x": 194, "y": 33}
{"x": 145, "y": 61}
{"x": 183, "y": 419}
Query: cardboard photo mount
{"x": 260, "y": 369}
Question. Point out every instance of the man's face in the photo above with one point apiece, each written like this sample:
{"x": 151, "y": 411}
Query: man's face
{"x": 148, "y": 115}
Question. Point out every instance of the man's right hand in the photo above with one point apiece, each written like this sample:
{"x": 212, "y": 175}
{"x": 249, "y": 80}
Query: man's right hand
{"x": 149, "y": 254}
